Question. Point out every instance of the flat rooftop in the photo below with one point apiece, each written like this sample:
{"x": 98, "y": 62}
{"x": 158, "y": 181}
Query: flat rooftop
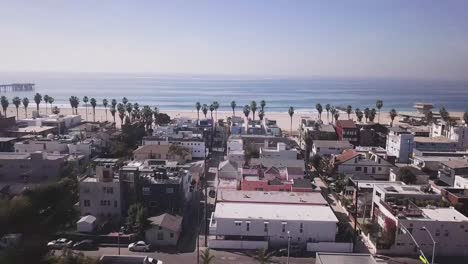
{"x": 343, "y": 258}
{"x": 444, "y": 214}
{"x": 310, "y": 198}
{"x": 456, "y": 164}
{"x": 275, "y": 212}
{"x": 7, "y": 139}
{"x": 401, "y": 189}
{"x": 32, "y": 129}
{"x": 332, "y": 143}
{"x": 433, "y": 140}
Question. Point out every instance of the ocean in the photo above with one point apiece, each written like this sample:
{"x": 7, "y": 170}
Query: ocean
{"x": 179, "y": 92}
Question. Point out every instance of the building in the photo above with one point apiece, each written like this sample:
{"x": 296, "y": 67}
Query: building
{"x": 235, "y": 150}
{"x": 421, "y": 177}
{"x": 370, "y": 165}
{"x": 271, "y": 127}
{"x": 280, "y": 152}
{"x": 304, "y": 198}
{"x": 100, "y": 196}
{"x": 372, "y": 134}
{"x": 329, "y": 147}
{"x": 461, "y": 182}
{"x": 451, "y": 168}
{"x": 7, "y": 144}
{"x": 228, "y": 170}
{"x": 457, "y": 133}
{"x": 439, "y": 144}
{"x": 457, "y": 198}
{"x": 55, "y": 145}
{"x": 165, "y": 152}
{"x": 31, "y": 167}
{"x": 164, "y": 230}
{"x": 86, "y": 224}
{"x": 195, "y": 144}
{"x": 400, "y": 143}
{"x": 31, "y": 130}
{"x": 243, "y": 225}
{"x": 341, "y": 258}
{"x": 347, "y": 130}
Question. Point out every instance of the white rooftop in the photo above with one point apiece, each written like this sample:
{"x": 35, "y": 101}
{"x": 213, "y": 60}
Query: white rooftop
{"x": 444, "y": 214}
{"x": 275, "y": 212}
{"x": 310, "y": 198}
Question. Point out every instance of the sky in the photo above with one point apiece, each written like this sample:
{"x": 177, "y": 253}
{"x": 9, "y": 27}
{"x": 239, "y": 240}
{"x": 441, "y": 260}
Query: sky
{"x": 418, "y": 39}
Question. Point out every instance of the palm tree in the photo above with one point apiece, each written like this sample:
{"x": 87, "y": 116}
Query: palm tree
{"x": 332, "y": 111}
{"x": 113, "y": 103}
{"x": 37, "y": 99}
{"x": 51, "y": 101}
{"x": 233, "y": 106}
{"x": 136, "y": 112}
{"x": 444, "y": 114}
{"x": 129, "y": 108}
{"x": 393, "y": 113}
{"x": 262, "y": 105}
{"x": 105, "y": 103}
{"x": 319, "y": 110}
{"x": 336, "y": 115}
{"x": 5, "y": 103}
{"x": 74, "y": 102}
{"x": 465, "y": 117}
{"x": 93, "y": 105}
{"x": 359, "y": 114}
{"x": 17, "y": 102}
{"x": 327, "y": 107}
{"x": 372, "y": 114}
{"x": 112, "y": 111}
{"x": 46, "y": 101}
{"x": 429, "y": 116}
{"x": 261, "y": 114}
{"x": 206, "y": 257}
{"x": 246, "y": 111}
{"x": 124, "y": 101}
{"x": 291, "y": 113}
{"x": 263, "y": 256}
{"x": 349, "y": 110}
{"x": 212, "y": 108}
{"x": 379, "y": 105}
{"x": 121, "y": 110}
{"x": 25, "y": 105}
{"x": 55, "y": 111}
{"x": 205, "y": 109}
{"x": 367, "y": 113}
{"x": 85, "y": 101}
{"x": 198, "y": 107}
{"x": 253, "y": 107}
{"x": 147, "y": 116}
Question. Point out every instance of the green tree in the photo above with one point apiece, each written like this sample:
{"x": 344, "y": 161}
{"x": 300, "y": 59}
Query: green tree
{"x": 105, "y": 103}
{"x": 372, "y": 114}
{"x": 205, "y": 109}
{"x": 51, "y": 101}
{"x": 129, "y": 108}
{"x": 406, "y": 175}
{"x": 125, "y": 100}
{"x": 327, "y": 108}
{"x": 113, "y": 103}
{"x": 291, "y": 113}
{"x": 85, "y": 101}
{"x": 93, "y": 105}
{"x": 444, "y": 114}
{"x": 216, "y": 106}
{"x": 262, "y": 105}
{"x": 319, "y": 110}
{"x": 253, "y": 108}
{"x": 17, "y": 102}
{"x": 367, "y": 113}
{"x": 359, "y": 114}
{"x": 212, "y": 108}
{"x": 349, "y": 110}
{"x": 121, "y": 110}
{"x": 393, "y": 113}
{"x": 246, "y": 111}
{"x": 336, "y": 115}
{"x": 46, "y": 101}
{"x": 333, "y": 112}
{"x": 261, "y": 114}
{"x": 113, "y": 111}
{"x": 198, "y": 107}
{"x": 263, "y": 256}
{"x": 233, "y": 106}
{"x": 4, "y": 101}
{"x": 379, "y": 105}
{"x": 38, "y": 100}
{"x": 74, "y": 103}
{"x": 206, "y": 257}
{"x": 25, "y": 105}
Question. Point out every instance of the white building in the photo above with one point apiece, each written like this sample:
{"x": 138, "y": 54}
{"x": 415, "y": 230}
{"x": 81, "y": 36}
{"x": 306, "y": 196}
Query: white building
{"x": 61, "y": 122}
{"x": 255, "y": 225}
{"x": 271, "y": 127}
{"x": 164, "y": 230}
{"x": 329, "y": 147}
{"x": 195, "y": 144}
{"x": 100, "y": 196}
{"x": 400, "y": 144}
{"x": 279, "y": 152}
{"x": 66, "y": 146}
{"x": 86, "y": 224}
{"x": 457, "y": 133}
{"x": 357, "y": 164}
{"x": 461, "y": 182}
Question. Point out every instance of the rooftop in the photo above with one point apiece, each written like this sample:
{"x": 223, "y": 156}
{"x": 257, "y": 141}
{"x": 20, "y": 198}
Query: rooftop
{"x": 167, "y": 221}
{"x": 346, "y": 155}
{"x": 310, "y": 198}
{"x": 7, "y": 139}
{"x": 274, "y": 212}
{"x": 456, "y": 164}
{"x": 346, "y": 123}
{"x": 444, "y": 214}
{"x": 32, "y": 129}
{"x": 402, "y": 189}
{"x": 433, "y": 140}
{"x": 344, "y": 258}
{"x": 332, "y": 143}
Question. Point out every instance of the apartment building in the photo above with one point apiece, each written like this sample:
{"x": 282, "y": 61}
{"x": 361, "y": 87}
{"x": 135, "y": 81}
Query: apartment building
{"x": 195, "y": 144}
{"x": 400, "y": 143}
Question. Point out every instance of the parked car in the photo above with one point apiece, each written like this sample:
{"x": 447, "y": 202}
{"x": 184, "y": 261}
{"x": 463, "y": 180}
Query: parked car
{"x": 85, "y": 245}
{"x": 59, "y": 243}
{"x": 139, "y": 246}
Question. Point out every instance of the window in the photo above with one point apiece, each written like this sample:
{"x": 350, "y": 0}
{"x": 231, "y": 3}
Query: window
{"x": 283, "y": 227}
{"x": 379, "y": 168}
{"x": 146, "y": 191}
{"x": 169, "y": 190}
{"x": 247, "y": 226}
{"x": 87, "y": 203}
{"x": 160, "y": 236}
{"x": 171, "y": 235}
{"x": 358, "y": 168}
{"x": 265, "y": 226}
{"x": 115, "y": 203}
{"x": 238, "y": 223}
{"x": 301, "y": 228}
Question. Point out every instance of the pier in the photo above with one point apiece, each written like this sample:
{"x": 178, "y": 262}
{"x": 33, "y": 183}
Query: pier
{"x": 17, "y": 87}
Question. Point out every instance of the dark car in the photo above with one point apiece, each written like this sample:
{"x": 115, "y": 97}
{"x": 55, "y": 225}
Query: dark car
{"x": 85, "y": 245}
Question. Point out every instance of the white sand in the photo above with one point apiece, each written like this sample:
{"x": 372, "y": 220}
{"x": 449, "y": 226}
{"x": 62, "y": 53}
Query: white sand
{"x": 282, "y": 118}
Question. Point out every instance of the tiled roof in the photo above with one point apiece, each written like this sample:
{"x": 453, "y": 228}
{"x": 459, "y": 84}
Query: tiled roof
{"x": 346, "y": 155}
{"x": 346, "y": 123}
{"x": 168, "y": 221}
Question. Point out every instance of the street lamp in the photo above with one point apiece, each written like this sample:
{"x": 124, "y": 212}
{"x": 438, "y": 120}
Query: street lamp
{"x": 433, "y": 242}
{"x": 416, "y": 243}
{"x": 289, "y": 245}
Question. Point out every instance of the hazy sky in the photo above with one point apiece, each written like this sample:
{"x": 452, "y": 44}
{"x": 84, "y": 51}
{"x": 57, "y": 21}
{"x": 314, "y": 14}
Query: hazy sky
{"x": 421, "y": 39}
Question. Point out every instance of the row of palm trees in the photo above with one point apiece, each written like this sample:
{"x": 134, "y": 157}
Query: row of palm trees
{"x": 17, "y": 102}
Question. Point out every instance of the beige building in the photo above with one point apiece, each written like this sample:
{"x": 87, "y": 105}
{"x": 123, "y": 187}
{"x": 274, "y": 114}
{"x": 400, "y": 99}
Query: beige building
{"x": 165, "y": 152}
{"x": 164, "y": 231}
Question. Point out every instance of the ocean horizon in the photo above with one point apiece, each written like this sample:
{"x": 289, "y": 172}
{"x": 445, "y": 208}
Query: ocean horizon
{"x": 181, "y": 92}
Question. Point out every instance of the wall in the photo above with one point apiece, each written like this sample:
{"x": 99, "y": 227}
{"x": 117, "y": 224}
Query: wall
{"x": 151, "y": 236}
{"x": 263, "y": 186}
{"x": 37, "y": 168}
{"x": 236, "y": 244}
{"x": 330, "y": 247}
{"x": 400, "y": 146}
{"x": 94, "y": 192}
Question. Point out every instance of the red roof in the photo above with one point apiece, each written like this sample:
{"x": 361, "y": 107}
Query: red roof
{"x": 346, "y": 124}
{"x": 346, "y": 155}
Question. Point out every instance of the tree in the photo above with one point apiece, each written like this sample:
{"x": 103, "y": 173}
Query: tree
{"x": 206, "y": 257}
{"x": 74, "y": 102}
{"x": 261, "y": 114}
{"x": 359, "y": 114}
{"x": 233, "y": 106}
{"x": 113, "y": 103}
{"x": 17, "y": 102}
{"x": 367, "y": 113}
{"x": 121, "y": 110}
{"x": 85, "y": 101}
{"x": 93, "y": 105}
{"x": 38, "y": 100}
{"x": 205, "y": 109}
{"x": 246, "y": 111}
{"x": 393, "y": 113}
{"x": 429, "y": 117}
{"x": 212, "y": 108}
{"x": 336, "y": 115}
{"x": 46, "y": 101}
{"x": 406, "y": 175}
{"x": 327, "y": 107}
{"x": 113, "y": 111}
{"x": 136, "y": 111}
{"x": 68, "y": 256}
{"x": 253, "y": 108}
{"x": 308, "y": 141}
{"x": 55, "y": 110}
{"x": 25, "y": 105}
{"x": 137, "y": 218}
{"x": 372, "y": 114}
{"x": 465, "y": 117}
{"x": 179, "y": 152}
{"x": 262, "y": 105}
{"x": 198, "y": 107}
{"x": 291, "y": 113}
{"x": 125, "y": 100}
{"x": 216, "y": 106}
{"x": 379, "y": 105}
{"x": 129, "y": 108}
{"x": 319, "y": 110}
{"x": 349, "y": 110}
{"x": 263, "y": 256}
{"x": 147, "y": 117}
{"x": 444, "y": 114}
{"x": 51, "y": 101}
{"x": 333, "y": 112}
{"x": 5, "y": 103}
{"x": 105, "y": 103}
{"x": 315, "y": 161}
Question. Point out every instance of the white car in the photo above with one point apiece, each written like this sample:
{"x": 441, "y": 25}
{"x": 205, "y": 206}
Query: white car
{"x": 139, "y": 246}
{"x": 59, "y": 243}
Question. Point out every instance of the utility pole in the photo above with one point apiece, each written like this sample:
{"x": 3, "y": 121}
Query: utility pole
{"x": 206, "y": 204}
{"x": 355, "y": 214}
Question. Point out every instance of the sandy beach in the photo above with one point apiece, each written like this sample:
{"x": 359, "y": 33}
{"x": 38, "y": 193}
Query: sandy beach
{"x": 282, "y": 118}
